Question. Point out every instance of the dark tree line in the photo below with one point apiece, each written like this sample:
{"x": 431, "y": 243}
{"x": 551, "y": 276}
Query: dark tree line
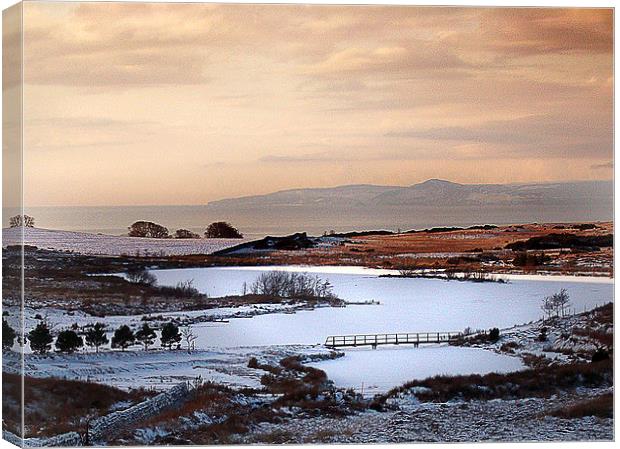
{"x": 68, "y": 341}
{"x": 217, "y": 230}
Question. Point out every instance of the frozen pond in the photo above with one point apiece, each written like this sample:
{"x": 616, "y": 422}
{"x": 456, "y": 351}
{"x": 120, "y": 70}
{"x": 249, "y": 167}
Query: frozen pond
{"x": 373, "y": 371}
{"x": 407, "y": 305}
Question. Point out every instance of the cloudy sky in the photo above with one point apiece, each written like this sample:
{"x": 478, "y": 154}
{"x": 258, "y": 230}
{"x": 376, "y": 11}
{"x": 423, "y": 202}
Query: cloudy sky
{"x": 185, "y": 103}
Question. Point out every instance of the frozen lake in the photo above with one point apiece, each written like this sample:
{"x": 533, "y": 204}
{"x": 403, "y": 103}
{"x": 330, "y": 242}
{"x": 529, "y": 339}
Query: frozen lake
{"x": 406, "y": 305}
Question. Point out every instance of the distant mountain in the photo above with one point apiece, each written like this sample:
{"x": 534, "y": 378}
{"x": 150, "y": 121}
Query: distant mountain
{"x": 351, "y": 195}
{"x": 434, "y": 193}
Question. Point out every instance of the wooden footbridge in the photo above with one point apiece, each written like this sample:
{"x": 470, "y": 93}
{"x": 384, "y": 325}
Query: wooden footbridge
{"x": 374, "y": 340}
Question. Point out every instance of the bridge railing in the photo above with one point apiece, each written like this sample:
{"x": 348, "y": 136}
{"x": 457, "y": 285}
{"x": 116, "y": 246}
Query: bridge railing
{"x": 390, "y": 339}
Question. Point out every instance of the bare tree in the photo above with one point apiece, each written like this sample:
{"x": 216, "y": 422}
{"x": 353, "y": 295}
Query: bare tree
{"x": 189, "y": 337}
{"x": 562, "y": 302}
{"x": 556, "y": 304}
{"x": 284, "y": 284}
{"x": 547, "y": 306}
{"x": 141, "y": 277}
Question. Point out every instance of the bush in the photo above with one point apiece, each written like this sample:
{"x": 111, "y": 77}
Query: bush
{"x": 253, "y": 363}
{"x": 222, "y": 230}
{"x": 141, "y": 277}
{"x": 542, "y": 336}
{"x": 148, "y": 229}
{"x": 540, "y": 382}
{"x": 600, "y": 355}
{"x": 494, "y": 334}
{"x": 525, "y": 259}
{"x": 68, "y": 342}
{"x": 185, "y": 234}
{"x": 183, "y": 289}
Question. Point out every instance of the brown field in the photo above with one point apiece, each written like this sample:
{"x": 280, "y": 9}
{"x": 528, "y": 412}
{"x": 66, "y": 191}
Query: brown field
{"x": 470, "y": 249}
{"x": 54, "y": 406}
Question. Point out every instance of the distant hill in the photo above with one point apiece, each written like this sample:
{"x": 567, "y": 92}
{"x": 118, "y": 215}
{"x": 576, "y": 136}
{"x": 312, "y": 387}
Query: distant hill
{"x": 433, "y": 193}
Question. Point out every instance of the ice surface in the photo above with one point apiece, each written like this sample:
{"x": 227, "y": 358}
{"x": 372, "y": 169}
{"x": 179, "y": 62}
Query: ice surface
{"x": 406, "y": 305}
{"x": 378, "y": 370}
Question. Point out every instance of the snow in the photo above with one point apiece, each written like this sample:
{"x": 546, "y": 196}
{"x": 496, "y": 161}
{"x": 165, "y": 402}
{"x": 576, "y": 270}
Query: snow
{"x": 157, "y": 369}
{"x": 100, "y": 244}
{"x": 407, "y": 305}
{"x": 372, "y": 371}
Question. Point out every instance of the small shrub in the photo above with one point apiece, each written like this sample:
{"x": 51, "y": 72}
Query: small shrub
{"x": 253, "y": 363}
{"x": 185, "y": 234}
{"x": 600, "y": 355}
{"x": 542, "y": 336}
{"x": 494, "y": 334}
{"x": 141, "y": 277}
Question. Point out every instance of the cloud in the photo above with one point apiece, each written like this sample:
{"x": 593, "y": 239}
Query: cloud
{"x": 607, "y": 165}
{"x": 543, "y": 135}
{"x": 396, "y": 92}
{"x": 514, "y": 32}
{"x": 413, "y": 61}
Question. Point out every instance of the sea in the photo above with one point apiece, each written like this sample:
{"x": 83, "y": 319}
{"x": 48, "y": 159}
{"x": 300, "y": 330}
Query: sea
{"x": 260, "y": 222}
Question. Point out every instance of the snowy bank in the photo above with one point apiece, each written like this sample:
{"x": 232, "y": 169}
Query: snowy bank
{"x": 110, "y": 245}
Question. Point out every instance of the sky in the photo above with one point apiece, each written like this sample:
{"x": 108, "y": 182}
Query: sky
{"x": 129, "y": 104}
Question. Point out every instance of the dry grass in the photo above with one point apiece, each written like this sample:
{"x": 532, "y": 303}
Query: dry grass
{"x": 601, "y": 406}
{"x": 540, "y": 382}
{"x": 54, "y": 406}
{"x": 464, "y": 250}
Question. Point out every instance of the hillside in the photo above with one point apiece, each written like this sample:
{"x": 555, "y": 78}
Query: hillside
{"x": 433, "y": 192}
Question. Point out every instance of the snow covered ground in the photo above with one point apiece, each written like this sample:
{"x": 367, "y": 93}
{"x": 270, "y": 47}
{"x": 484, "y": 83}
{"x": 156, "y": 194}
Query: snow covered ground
{"x": 157, "y": 369}
{"x": 100, "y": 244}
{"x": 455, "y": 421}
